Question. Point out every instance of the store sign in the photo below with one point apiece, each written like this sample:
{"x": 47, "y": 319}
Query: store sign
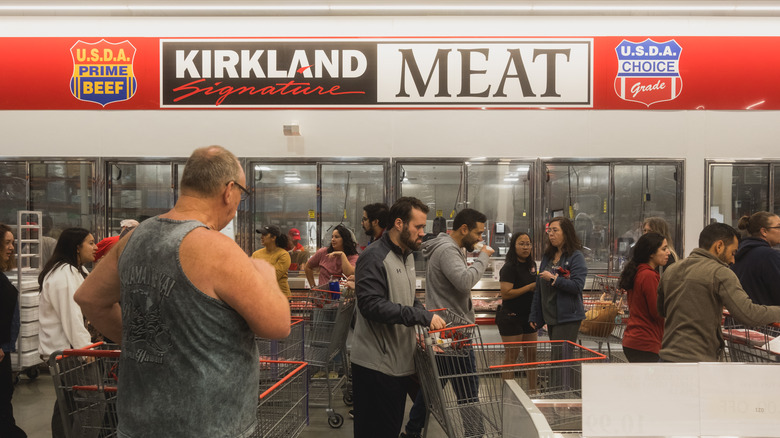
{"x": 648, "y": 72}
{"x": 599, "y": 73}
{"x": 103, "y": 71}
{"x": 262, "y": 73}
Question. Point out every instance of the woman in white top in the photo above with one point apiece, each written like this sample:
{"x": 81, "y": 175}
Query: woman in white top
{"x": 61, "y": 322}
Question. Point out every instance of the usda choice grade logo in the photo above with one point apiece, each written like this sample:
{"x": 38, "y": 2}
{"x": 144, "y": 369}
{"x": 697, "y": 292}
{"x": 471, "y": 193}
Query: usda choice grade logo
{"x": 648, "y": 72}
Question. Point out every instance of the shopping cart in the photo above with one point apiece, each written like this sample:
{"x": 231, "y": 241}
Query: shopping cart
{"x": 606, "y": 314}
{"x": 282, "y": 409}
{"x": 327, "y": 316}
{"x": 553, "y": 380}
{"x": 462, "y": 378}
{"x": 85, "y": 383}
{"x": 745, "y": 344}
{"x": 289, "y": 348}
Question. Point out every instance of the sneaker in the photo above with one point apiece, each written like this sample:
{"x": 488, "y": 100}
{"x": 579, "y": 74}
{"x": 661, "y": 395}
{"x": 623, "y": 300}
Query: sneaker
{"x": 410, "y": 435}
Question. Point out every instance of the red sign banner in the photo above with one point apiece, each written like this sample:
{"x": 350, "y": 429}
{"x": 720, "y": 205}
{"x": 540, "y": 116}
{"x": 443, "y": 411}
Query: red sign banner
{"x": 601, "y": 73}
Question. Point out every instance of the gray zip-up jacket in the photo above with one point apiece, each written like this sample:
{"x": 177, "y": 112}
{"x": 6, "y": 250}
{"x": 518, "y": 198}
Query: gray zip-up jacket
{"x": 449, "y": 279}
{"x": 384, "y": 338}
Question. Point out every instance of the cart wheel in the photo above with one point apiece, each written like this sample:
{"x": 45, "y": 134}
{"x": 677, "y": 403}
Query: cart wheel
{"x": 335, "y": 421}
{"x": 32, "y": 372}
{"x": 348, "y": 399}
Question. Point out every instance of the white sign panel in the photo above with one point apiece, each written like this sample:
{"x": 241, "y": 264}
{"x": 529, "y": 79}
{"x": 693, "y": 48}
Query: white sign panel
{"x": 528, "y": 72}
{"x": 622, "y": 400}
{"x": 740, "y": 399}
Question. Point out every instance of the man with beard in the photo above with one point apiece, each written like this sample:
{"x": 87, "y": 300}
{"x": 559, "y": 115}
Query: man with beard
{"x": 384, "y": 340}
{"x": 374, "y": 221}
{"x": 692, "y": 294}
{"x": 448, "y": 283}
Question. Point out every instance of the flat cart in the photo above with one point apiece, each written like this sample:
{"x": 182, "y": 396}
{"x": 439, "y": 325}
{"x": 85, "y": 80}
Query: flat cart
{"x": 85, "y": 383}
{"x": 327, "y": 316}
{"x": 462, "y": 378}
{"x": 282, "y": 409}
{"x": 751, "y": 344}
{"x": 606, "y": 314}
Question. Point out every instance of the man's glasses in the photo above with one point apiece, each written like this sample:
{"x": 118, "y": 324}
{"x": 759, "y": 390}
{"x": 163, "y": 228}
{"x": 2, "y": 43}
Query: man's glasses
{"x": 245, "y": 193}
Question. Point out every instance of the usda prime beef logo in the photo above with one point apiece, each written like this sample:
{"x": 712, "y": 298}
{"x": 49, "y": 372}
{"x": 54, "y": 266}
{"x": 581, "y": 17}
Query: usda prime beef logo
{"x": 648, "y": 72}
{"x": 103, "y": 71}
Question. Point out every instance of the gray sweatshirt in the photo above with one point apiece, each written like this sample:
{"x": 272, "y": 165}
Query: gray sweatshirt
{"x": 448, "y": 280}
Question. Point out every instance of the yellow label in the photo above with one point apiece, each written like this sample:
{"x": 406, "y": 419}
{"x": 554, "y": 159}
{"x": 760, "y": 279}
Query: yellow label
{"x": 452, "y": 214}
{"x": 571, "y": 212}
{"x": 311, "y": 214}
{"x": 439, "y": 213}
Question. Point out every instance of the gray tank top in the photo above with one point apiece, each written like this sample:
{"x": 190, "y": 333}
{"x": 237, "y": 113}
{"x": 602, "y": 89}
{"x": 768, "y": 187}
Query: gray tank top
{"x": 189, "y": 364}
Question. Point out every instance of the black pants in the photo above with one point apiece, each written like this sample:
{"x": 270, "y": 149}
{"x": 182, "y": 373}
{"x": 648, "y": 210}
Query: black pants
{"x": 379, "y": 401}
{"x": 561, "y": 377}
{"x": 640, "y": 356}
{"x": 8, "y": 427}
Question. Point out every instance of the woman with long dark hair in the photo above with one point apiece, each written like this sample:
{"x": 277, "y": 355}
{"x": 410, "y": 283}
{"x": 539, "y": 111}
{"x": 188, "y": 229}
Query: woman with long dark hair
{"x": 337, "y": 259}
{"x": 9, "y": 331}
{"x": 558, "y": 295}
{"x": 517, "y": 281}
{"x": 640, "y": 277}
{"x": 61, "y": 322}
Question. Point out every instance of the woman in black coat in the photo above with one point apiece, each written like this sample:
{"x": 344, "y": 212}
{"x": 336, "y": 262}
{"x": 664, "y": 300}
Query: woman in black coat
{"x": 9, "y": 331}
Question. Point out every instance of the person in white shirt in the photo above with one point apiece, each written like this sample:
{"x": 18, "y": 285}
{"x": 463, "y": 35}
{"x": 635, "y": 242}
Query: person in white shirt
{"x": 61, "y": 322}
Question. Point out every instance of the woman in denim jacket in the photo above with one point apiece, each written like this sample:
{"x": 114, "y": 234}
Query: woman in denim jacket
{"x": 558, "y": 296}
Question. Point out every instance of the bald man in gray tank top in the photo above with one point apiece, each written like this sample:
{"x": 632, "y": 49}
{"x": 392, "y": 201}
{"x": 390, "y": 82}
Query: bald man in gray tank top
{"x": 191, "y": 304}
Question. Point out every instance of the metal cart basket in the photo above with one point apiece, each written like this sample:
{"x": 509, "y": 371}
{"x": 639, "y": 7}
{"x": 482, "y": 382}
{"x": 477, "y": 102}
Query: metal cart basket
{"x": 606, "y": 314}
{"x": 282, "y": 409}
{"x": 745, "y": 344}
{"x": 289, "y": 348}
{"x": 85, "y": 382}
{"x": 462, "y": 378}
{"x": 327, "y": 316}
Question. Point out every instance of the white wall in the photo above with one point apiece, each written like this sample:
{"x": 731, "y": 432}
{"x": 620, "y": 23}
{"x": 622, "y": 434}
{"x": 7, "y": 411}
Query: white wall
{"x": 690, "y": 135}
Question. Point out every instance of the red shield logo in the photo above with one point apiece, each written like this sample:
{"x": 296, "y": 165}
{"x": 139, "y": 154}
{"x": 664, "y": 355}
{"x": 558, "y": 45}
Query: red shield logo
{"x": 103, "y": 71}
{"x": 648, "y": 72}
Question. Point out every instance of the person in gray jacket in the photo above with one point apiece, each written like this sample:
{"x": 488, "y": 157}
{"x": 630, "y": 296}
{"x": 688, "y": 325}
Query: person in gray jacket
{"x": 693, "y": 292}
{"x": 448, "y": 283}
{"x": 384, "y": 339}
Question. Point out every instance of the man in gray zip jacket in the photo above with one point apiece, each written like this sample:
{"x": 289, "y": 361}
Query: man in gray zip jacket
{"x": 448, "y": 283}
{"x": 384, "y": 340}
